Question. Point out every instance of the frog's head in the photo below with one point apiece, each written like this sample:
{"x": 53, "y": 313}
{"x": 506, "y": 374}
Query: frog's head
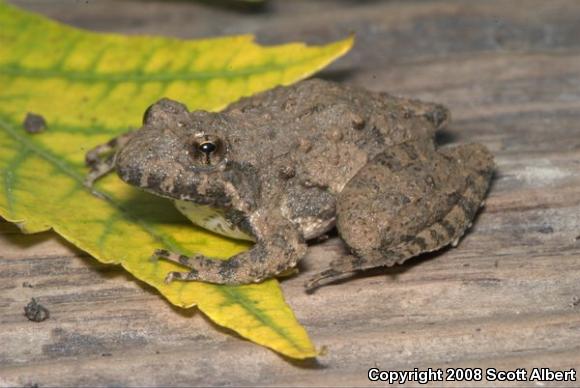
{"x": 186, "y": 156}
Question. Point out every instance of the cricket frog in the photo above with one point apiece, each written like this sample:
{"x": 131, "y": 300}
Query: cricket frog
{"x": 287, "y": 165}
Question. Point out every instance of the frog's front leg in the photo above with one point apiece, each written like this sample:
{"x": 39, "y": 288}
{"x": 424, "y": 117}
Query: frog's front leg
{"x": 279, "y": 246}
{"x": 101, "y": 159}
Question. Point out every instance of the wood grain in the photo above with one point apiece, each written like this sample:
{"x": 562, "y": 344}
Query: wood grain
{"x": 508, "y": 296}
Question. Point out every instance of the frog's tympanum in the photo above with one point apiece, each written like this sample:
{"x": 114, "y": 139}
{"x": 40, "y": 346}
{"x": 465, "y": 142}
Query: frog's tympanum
{"x": 287, "y": 165}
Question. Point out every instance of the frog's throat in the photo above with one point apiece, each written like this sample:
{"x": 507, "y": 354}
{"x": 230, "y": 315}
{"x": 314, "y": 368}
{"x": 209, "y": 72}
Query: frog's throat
{"x": 211, "y": 219}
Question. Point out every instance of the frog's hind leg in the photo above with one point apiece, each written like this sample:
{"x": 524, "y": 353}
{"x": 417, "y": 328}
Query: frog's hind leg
{"x": 407, "y": 201}
{"x": 101, "y": 159}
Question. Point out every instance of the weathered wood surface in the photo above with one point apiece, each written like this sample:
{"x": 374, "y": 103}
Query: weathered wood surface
{"x": 507, "y": 297}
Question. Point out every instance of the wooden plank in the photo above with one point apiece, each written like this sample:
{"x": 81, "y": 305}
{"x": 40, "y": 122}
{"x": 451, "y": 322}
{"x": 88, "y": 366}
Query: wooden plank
{"x": 506, "y": 297}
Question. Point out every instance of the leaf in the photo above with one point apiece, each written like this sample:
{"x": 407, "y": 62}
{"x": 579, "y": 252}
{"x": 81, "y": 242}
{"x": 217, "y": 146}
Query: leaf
{"x": 91, "y": 87}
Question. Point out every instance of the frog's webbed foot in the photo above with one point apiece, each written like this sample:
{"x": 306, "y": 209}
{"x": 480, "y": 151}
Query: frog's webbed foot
{"x": 407, "y": 201}
{"x": 101, "y": 159}
{"x": 276, "y": 251}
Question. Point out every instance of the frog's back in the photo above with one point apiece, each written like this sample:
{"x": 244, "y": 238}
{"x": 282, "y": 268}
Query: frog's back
{"x": 323, "y": 131}
{"x": 321, "y": 106}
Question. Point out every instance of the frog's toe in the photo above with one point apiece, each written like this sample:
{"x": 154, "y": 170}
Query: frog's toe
{"x": 171, "y": 276}
{"x": 99, "y": 170}
{"x": 201, "y": 267}
{"x": 155, "y": 256}
{"x": 188, "y": 261}
{"x": 162, "y": 254}
{"x": 314, "y": 282}
{"x": 341, "y": 268}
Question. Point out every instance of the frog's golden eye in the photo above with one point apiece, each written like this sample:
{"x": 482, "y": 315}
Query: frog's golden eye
{"x": 208, "y": 150}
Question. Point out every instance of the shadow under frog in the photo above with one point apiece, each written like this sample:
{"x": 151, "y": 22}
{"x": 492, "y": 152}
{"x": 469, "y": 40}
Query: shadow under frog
{"x": 287, "y": 165}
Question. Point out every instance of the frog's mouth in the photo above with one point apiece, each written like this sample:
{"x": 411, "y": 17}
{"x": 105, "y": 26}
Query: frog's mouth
{"x": 175, "y": 183}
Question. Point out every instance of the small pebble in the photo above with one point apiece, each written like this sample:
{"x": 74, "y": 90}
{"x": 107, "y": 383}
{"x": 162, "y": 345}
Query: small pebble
{"x": 358, "y": 122}
{"x": 34, "y": 123}
{"x": 36, "y": 312}
{"x": 287, "y": 172}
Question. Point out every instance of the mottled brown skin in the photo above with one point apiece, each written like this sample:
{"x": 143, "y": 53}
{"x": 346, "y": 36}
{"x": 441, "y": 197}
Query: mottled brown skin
{"x": 291, "y": 163}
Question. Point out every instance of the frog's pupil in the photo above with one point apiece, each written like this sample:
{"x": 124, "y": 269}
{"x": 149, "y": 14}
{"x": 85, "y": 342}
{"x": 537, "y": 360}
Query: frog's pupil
{"x": 207, "y": 148}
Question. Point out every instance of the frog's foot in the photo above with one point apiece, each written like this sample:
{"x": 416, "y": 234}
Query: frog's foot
{"x": 275, "y": 252}
{"x": 101, "y": 159}
{"x": 331, "y": 273}
{"x": 419, "y": 200}
{"x": 179, "y": 259}
{"x": 342, "y": 268}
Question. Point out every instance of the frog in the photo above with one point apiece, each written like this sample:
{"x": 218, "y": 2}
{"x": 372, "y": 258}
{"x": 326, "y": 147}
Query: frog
{"x": 287, "y": 165}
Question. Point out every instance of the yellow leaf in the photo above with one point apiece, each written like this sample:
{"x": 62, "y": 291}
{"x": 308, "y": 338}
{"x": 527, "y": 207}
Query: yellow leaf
{"x": 91, "y": 87}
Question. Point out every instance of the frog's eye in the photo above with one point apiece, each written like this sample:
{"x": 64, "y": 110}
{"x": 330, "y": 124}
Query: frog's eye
{"x": 208, "y": 147}
{"x": 208, "y": 150}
